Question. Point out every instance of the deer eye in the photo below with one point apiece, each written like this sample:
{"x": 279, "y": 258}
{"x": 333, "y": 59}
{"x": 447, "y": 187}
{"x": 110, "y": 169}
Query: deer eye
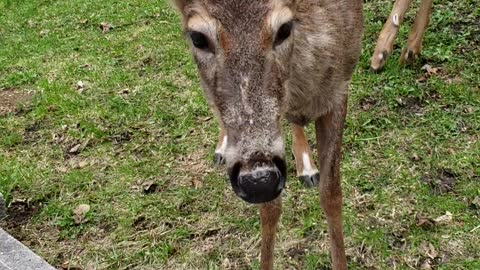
{"x": 199, "y": 40}
{"x": 283, "y": 33}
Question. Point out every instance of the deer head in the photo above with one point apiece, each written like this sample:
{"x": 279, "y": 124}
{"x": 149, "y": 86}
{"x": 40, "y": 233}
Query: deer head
{"x": 242, "y": 49}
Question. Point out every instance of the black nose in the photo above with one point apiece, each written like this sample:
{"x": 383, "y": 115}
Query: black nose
{"x": 263, "y": 183}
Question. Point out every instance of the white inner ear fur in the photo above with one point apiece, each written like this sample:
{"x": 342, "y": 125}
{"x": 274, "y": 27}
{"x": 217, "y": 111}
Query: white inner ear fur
{"x": 280, "y": 14}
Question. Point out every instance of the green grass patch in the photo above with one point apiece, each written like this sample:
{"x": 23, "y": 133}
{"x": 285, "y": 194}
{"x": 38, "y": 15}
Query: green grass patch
{"x": 118, "y": 121}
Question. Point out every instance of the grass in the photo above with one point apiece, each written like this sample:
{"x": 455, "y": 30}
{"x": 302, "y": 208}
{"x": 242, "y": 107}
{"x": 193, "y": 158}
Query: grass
{"x": 135, "y": 144}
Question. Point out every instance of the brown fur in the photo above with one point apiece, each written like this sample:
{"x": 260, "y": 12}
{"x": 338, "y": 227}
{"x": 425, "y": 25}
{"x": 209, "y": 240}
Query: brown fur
{"x": 251, "y": 84}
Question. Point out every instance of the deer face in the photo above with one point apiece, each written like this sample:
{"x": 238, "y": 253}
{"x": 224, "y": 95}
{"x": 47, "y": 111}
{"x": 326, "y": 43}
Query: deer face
{"x": 242, "y": 49}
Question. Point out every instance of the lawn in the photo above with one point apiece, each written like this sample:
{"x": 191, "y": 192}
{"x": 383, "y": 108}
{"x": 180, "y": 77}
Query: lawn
{"x": 106, "y": 160}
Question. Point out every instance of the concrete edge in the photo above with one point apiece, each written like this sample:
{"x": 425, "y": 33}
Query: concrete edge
{"x": 16, "y": 256}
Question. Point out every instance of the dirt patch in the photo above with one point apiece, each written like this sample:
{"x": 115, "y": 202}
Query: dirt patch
{"x": 20, "y": 212}
{"x": 194, "y": 167}
{"x": 368, "y": 103}
{"x": 442, "y": 183}
{"x": 411, "y": 105}
{"x": 10, "y": 98}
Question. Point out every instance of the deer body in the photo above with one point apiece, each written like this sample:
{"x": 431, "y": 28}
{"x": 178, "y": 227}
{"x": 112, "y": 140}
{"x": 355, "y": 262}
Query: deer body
{"x": 261, "y": 61}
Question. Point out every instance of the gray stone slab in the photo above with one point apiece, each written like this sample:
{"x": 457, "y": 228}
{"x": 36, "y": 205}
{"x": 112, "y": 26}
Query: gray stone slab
{"x": 15, "y": 256}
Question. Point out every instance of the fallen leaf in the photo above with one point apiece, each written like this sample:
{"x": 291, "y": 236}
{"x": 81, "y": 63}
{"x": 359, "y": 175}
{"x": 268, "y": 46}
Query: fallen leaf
{"x": 31, "y": 23}
{"x": 80, "y": 86}
{"x": 197, "y": 183}
{"x": 400, "y": 101}
{"x": 125, "y": 91}
{"x": 206, "y": 119}
{"x": 476, "y": 203}
{"x": 431, "y": 252}
{"x": 427, "y": 264}
{"x": 454, "y": 79}
{"x": 415, "y": 157}
{"x": 61, "y": 169}
{"x": 51, "y": 108}
{"x": 422, "y": 79}
{"x": 430, "y": 70}
{"x": 149, "y": 187}
{"x": 67, "y": 266}
{"x": 424, "y": 222}
{"x": 105, "y": 27}
{"x": 444, "y": 219}
{"x": 44, "y": 32}
{"x": 80, "y": 212}
{"x": 75, "y": 149}
{"x": 82, "y": 164}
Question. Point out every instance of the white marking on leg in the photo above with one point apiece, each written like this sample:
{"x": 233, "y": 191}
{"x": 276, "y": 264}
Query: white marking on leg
{"x": 223, "y": 146}
{"x": 307, "y": 166}
{"x": 395, "y": 20}
{"x": 380, "y": 56}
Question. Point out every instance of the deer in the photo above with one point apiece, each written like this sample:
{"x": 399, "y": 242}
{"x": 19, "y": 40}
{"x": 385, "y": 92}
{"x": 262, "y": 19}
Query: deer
{"x": 384, "y": 45}
{"x": 261, "y": 62}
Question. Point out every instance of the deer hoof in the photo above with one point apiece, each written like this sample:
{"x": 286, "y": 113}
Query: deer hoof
{"x": 378, "y": 61}
{"x": 310, "y": 181}
{"x": 218, "y": 159}
{"x": 408, "y": 56}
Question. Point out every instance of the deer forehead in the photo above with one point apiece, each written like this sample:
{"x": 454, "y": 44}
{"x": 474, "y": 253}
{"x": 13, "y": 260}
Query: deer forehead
{"x": 215, "y": 21}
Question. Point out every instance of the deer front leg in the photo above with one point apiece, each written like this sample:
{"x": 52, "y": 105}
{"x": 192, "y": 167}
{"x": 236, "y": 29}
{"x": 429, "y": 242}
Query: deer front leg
{"x": 414, "y": 43}
{"x": 219, "y": 156}
{"x": 269, "y": 216}
{"x": 384, "y": 46}
{"x": 307, "y": 172}
{"x": 329, "y": 131}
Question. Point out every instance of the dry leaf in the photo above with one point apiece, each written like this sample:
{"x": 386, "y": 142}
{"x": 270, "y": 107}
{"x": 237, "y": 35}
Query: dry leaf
{"x": 415, "y": 157}
{"x": 447, "y": 218}
{"x": 105, "y": 27}
{"x": 61, "y": 169}
{"x": 476, "y": 203}
{"x": 430, "y": 70}
{"x": 427, "y": 264}
{"x": 67, "y": 266}
{"x": 149, "y": 186}
{"x": 31, "y": 23}
{"x": 80, "y": 212}
{"x": 44, "y": 32}
{"x": 197, "y": 183}
{"x": 206, "y": 119}
{"x": 74, "y": 149}
{"x": 432, "y": 253}
{"x": 80, "y": 86}
{"x": 422, "y": 79}
{"x": 424, "y": 222}
{"x": 82, "y": 164}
